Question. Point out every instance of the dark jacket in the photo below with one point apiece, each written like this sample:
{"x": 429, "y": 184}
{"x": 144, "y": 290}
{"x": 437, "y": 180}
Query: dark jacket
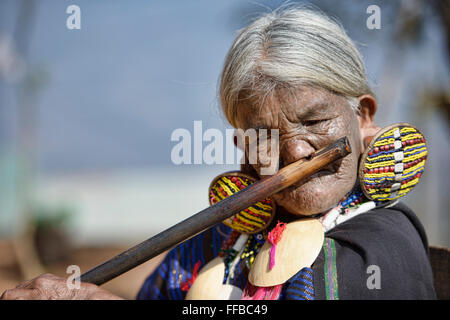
{"x": 387, "y": 242}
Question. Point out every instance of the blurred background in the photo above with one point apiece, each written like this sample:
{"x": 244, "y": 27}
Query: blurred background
{"x": 86, "y": 117}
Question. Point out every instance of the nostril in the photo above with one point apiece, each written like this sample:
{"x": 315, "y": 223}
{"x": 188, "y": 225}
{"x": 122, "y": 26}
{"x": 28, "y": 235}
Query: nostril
{"x": 296, "y": 149}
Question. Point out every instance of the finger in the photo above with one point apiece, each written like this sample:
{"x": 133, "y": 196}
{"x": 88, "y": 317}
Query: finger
{"x": 24, "y": 285}
{"x": 20, "y": 294}
{"x": 31, "y": 283}
{"x": 44, "y": 281}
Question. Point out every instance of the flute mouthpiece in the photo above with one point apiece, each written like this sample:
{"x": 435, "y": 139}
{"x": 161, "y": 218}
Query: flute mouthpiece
{"x": 342, "y": 145}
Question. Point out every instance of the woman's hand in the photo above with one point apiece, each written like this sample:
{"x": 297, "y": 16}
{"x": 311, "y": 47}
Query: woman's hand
{"x": 51, "y": 287}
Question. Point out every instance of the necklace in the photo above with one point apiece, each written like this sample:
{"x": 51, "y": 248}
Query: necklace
{"x": 254, "y": 243}
{"x": 355, "y": 203}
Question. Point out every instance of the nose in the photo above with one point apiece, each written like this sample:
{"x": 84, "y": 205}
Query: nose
{"x": 295, "y": 149}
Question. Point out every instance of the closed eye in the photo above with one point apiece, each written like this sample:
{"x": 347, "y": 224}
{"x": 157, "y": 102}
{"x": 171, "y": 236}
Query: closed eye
{"x": 311, "y": 122}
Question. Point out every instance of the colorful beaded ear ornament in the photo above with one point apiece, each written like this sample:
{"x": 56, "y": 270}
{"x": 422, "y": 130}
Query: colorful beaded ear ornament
{"x": 252, "y": 220}
{"x": 389, "y": 168}
{"x": 392, "y": 163}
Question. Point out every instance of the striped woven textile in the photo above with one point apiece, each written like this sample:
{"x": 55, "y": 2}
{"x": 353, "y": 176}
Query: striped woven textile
{"x": 300, "y": 286}
{"x": 166, "y": 281}
{"x": 330, "y": 270}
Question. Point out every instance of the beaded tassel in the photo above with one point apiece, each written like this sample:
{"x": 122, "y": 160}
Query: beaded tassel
{"x": 274, "y": 237}
{"x": 254, "y": 243}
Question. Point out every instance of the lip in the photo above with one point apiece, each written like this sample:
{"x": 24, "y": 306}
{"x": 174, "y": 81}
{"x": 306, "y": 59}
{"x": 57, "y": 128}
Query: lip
{"x": 321, "y": 173}
{"x": 326, "y": 171}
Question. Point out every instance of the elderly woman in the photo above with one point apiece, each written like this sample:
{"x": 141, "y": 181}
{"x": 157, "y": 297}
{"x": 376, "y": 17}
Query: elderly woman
{"x": 297, "y": 71}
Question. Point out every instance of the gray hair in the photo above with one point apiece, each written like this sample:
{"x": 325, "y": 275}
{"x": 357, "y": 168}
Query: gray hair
{"x": 291, "y": 47}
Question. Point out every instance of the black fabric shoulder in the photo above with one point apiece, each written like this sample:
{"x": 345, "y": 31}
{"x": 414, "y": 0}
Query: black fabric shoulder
{"x": 415, "y": 222}
{"x": 390, "y": 241}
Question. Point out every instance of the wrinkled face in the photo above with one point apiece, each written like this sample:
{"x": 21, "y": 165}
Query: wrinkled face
{"x": 308, "y": 120}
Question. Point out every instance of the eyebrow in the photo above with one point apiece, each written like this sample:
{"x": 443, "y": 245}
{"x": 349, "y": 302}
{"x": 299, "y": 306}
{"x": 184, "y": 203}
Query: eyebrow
{"x": 309, "y": 112}
{"x": 258, "y": 127}
{"x": 313, "y": 111}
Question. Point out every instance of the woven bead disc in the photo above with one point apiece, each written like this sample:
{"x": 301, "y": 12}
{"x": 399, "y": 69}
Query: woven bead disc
{"x": 393, "y": 162}
{"x": 252, "y": 220}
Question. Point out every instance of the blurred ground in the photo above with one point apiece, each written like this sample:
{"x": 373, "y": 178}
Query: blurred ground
{"x": 126, "y": 286}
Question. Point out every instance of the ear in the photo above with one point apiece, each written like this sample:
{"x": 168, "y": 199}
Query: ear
{"x": 367, "y": 127}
